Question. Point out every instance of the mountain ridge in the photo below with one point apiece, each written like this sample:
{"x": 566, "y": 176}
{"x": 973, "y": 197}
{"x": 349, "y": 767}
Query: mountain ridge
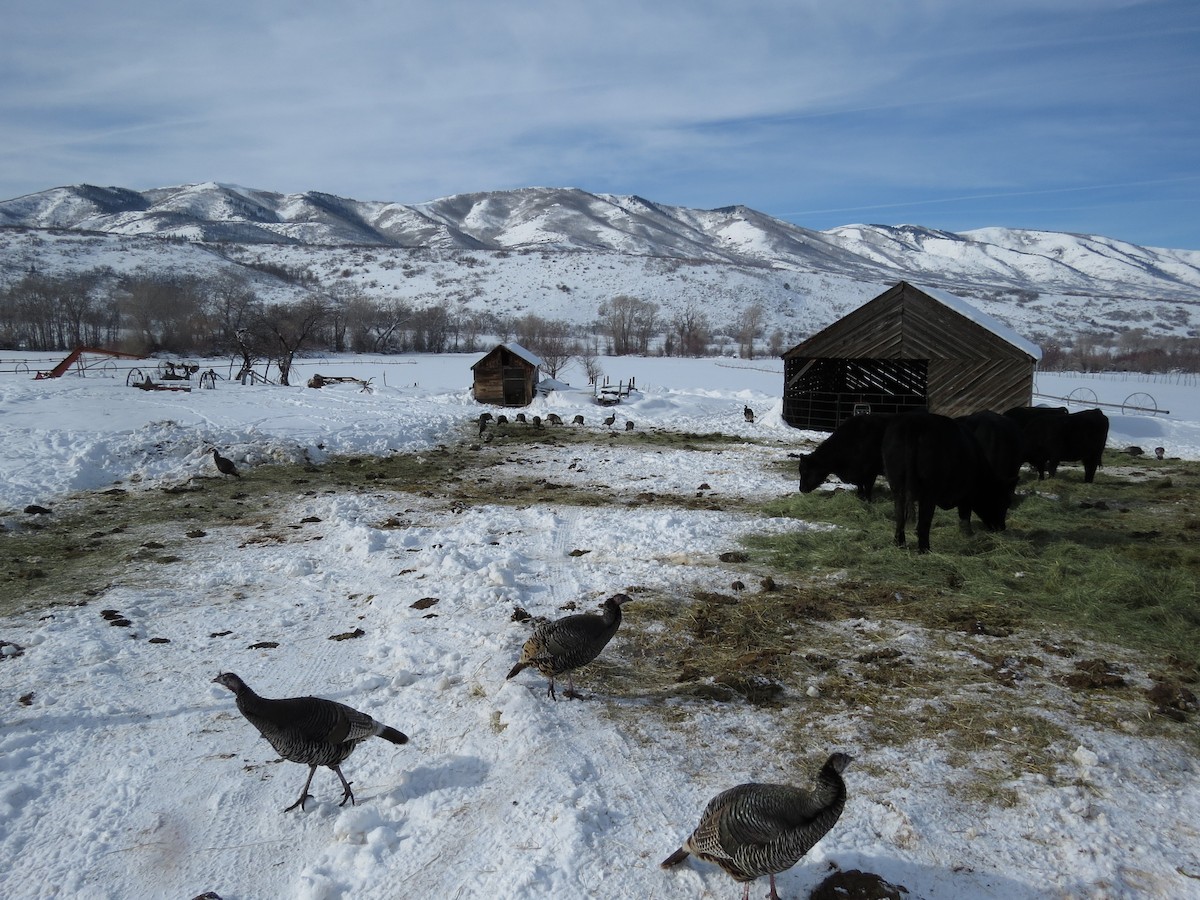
{"x": 733, "y": 255}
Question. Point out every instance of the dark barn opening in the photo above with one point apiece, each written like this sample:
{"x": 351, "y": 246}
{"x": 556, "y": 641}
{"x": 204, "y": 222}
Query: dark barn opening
{"x": 828, "y": 391}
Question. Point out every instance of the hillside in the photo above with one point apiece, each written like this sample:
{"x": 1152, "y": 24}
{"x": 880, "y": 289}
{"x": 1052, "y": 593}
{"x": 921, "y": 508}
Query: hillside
{"x": 561, "y": 252}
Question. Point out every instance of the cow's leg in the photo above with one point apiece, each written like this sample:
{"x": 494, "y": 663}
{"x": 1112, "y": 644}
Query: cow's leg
{"x": 964, "y": 519}
{"x": 901, "y": 507}
{"x": 925, "y": 509}
{"x": 1089, "y": 470}
{"x": 867, "y": 489}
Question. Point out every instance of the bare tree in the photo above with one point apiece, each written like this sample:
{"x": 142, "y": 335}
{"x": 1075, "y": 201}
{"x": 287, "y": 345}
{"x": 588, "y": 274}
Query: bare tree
{"x": 251, "y": 348}
{"x": 747, "y": 327}
{"x": 589, "y": 355}
{"x": 341, "y": 299}
{"x": 475, "y": 324}
{"x": 288, "y": 328}
{"x": 76, "y": 305}
{"x": 233, "y": 306}
{"x": 365, "y": 324}
{"x": 550, "y": 339}
{"x": 630, "y": 323}
{"x": 692, "y": 331}
{"x": 430, "y": 329}
{"x": 775, "y": 343}
{"x": 167, "y": 313}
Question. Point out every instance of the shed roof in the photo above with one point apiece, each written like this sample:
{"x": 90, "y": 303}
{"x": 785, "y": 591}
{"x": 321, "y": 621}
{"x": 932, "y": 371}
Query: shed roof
{"x": 517, "y": 350}
{"x": 995, "y": 326}
{"x": 879, "y": 323}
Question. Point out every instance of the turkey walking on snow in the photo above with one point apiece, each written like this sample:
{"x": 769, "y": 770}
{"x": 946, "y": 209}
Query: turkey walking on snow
{"x": 309, "y": 730}
{"x": 559, "y": 647}
{"x": 224, "y": 466}
{"x": 762, "y": 829}
{"x": 748, "y": 414}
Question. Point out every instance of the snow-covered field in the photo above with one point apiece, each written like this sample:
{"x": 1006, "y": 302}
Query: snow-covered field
{"x": 125, "y": 773}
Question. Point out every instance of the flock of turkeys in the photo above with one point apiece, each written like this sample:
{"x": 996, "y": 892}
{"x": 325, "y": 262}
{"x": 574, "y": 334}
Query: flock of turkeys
{"x": 749, "y": 831}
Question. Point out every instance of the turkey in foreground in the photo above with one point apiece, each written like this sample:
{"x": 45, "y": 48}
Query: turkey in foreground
{"x": 224, "y": 466}
{"x": 309, "y": 730}
{"x": 762, "y": 829}
{"x": 559, "y": 647}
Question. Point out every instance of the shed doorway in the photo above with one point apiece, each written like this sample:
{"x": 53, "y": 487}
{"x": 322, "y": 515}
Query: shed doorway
{"x": 514, "y": 386}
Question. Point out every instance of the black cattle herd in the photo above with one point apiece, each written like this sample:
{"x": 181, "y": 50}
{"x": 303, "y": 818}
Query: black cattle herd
{"x": 971, "y": 463}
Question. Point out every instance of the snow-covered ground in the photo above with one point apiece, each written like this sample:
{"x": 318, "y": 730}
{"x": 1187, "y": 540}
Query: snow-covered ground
{"x": 125, "y": 773}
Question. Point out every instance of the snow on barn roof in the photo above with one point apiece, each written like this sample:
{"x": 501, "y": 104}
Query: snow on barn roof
{"x": 532, "y": 358}
{"x": 982, "y": 319}
{"x": 517, "y": 350}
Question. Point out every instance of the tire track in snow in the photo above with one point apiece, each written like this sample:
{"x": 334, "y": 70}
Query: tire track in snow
{"x": 574, "y": 799}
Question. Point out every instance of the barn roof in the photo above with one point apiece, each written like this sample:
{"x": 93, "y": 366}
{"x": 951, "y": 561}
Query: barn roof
{"x": 516, "y": 350}
{"x": 995, "y": 326}
{"x": 878, "y": 328}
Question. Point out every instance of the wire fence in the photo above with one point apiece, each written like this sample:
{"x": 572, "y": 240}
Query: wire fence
{"x": 1184, "y": 379}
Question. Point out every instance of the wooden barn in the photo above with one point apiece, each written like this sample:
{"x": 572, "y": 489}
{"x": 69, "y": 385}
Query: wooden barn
{"x": 506, "y": 376}
{"x": 909, "y": 348}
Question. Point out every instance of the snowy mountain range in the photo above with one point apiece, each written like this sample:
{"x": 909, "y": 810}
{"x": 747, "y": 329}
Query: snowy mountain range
{"x": 559, "y": 252}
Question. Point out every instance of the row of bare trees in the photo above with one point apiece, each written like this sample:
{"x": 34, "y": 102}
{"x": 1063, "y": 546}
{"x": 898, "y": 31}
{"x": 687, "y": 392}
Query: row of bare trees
{"x": 1135, "y": 350}
{"x": 224, "y": 315}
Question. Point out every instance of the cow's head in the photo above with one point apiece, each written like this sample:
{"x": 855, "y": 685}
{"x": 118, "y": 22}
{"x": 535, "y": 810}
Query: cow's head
{"x": 810, "y": 478}
{"x": 992, "y": 505}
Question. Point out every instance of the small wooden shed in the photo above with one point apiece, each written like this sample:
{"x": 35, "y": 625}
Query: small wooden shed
{"x": 909, "y": 348}
{"x": 506, "y": 376}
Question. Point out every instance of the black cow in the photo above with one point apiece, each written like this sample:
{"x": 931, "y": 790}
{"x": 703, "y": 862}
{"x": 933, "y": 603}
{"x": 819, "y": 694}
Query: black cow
{"x": 932, "y": 461}
{"x": 853, "y": 452}
{"x": 1025, "y": 416}
{"x": 1077, "y": 436}
{"x": 1002, "y": 440}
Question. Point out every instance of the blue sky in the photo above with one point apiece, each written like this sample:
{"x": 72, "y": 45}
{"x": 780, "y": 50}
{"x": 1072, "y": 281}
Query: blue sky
{"x": 1062, "y": 115}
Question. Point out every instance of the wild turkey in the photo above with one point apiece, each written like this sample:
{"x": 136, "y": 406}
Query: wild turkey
{"x": 629, "y": 425}
{"x": 762, "y": 829}
{"x": 611, "y": 418}
{"x": 748, "y": 414}
{"x": 537, "y": 422}
{"x": 554, "y": 419}
{"x": 559, "y": 647}
{"x": 225, "y": 466}
{"x": 521, "y": 418}
{"x": 501, "y": 420}
{"x": 578, "y": 420}
{"x": 309, "y": 730}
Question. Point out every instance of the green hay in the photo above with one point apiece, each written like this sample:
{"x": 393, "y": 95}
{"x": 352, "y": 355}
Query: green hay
{"x": 1118, "y": 560}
